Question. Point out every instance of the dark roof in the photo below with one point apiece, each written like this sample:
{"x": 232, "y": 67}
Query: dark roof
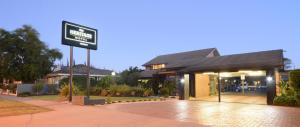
{"x": 255, "y": 60}
{"x": 181, "y": 59}
{"x": 82, "y": 69}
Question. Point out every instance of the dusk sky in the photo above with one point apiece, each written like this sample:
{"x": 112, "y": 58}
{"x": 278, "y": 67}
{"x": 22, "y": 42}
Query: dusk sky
{"x": 131, "y": 32}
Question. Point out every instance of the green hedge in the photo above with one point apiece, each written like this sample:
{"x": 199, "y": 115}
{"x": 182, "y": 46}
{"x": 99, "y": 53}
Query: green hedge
{"x": 285, "y": 101}
{"x": 294, "y": 79}
{"x": 24, "y": 94}
{"x": 125, "y": 90}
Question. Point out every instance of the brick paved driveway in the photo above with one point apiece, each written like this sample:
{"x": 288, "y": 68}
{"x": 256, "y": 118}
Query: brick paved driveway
{"x": 216, "y": 114}
{"x": 173, "y": 113}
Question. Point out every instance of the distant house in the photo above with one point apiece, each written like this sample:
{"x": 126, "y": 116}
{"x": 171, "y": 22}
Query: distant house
{"x": 62, "y": 72}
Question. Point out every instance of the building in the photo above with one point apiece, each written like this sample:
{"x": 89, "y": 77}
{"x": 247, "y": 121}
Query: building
{"x": 204, "y": 74}
{"x": 62, "y": 72}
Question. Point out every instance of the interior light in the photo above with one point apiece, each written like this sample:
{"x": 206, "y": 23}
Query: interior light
{"x": 269, "y": 79}
{"x": 225, "y": 74}
{"x": 209, "y": 73}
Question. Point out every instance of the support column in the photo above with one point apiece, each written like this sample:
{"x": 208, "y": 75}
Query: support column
{"x": 183, "y": 83}
{"x": 180, "y": 87}
{"x": 186, "y": 86}
{"x": 219, "y": 87}
{"x": 271, "y": 87}
{"x": 277, "y": 80}
{"x": 192, "y": 85}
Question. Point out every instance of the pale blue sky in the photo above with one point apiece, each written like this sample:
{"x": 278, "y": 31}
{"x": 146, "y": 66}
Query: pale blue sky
{"x": 131, "y": 32}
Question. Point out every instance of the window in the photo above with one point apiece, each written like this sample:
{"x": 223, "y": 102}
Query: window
{"x": 158, "y": 66}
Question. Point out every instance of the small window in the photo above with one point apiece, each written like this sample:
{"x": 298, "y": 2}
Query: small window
{"x": 158, "y": 66}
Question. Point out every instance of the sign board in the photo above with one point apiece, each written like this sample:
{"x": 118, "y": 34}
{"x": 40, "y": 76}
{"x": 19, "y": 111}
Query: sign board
{"x": 79, "y": 36}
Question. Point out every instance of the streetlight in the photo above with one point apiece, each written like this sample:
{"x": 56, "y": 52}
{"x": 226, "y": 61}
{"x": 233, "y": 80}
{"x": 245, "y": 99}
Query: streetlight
{"x": 182, "y": 81}
{"x": 113, "y": 73}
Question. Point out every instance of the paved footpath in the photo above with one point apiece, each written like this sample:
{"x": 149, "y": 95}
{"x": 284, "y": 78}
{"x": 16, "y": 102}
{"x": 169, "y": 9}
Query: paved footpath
{"x": 67, "y": 115}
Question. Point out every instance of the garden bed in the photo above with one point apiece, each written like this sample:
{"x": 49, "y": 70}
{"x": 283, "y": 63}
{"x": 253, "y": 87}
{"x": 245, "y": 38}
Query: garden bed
{"x": 108, "y": 99}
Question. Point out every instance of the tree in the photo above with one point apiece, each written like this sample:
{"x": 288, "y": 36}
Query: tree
{"x": 23, "y": 56}
{"x": 287, "y": 63}
{"x": 130, "y": 76}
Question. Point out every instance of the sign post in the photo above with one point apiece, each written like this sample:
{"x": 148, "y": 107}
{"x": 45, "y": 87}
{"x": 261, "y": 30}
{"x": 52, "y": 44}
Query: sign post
{"x": 79, "y": 36}
{"x": 88, "y": 74}
{"x": 71, "y": 74}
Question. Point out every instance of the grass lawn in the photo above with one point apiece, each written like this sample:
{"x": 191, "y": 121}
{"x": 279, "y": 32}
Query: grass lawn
{"x": 57, "y": 98}
{"x": 12, "y": 108}
{"x": 47, "y": 97}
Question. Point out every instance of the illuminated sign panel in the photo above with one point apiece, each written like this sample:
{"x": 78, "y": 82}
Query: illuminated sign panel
{"x": 79, "y": 36}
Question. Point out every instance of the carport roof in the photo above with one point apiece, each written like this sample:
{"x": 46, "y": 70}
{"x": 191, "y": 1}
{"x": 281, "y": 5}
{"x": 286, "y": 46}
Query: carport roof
{"x": 181, "y": 59}
{"x": 254, "y": 60}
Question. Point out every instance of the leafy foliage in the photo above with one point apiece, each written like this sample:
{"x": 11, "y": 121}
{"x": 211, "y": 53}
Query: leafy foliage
{"x": 286, "y": 89}
{"x": 170, "y": 84}
{"x": 52, "y": 89}
{"x": 64, "y": 91}
{"x": 38, "y": 87}
{"x": 12, "y": 87}
{"x": 294, "y": 79}
{"x": 165, "y": 92}
{"x": 105, "y": 82}
{"x": 119, "y": 90}
{"x": 285, "y": 101}
{"x": 287, "y": 63}
{"x": 79, "y": 81}
{"x": 130, "y": 76}
{"x": 125, "y": 90}
{"x": 23, "y": 56}
{"x": 24, "y": 94}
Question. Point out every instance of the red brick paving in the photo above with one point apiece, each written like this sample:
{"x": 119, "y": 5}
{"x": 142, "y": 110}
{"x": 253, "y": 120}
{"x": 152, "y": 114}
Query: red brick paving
{"x": 67, "y": 115}
{"x": 217, "y": 114}
{"x": 157, "y": 114}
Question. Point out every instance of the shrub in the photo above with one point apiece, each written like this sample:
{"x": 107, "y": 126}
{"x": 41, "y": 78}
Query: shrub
{"x": 103, "y": 92}
{"x": 119, "y": 90}
{"x": 64, "y": 91}
{"x": 286, "y": 89}
{"x": 294, "y": 81}
{"x": 37, "y": 88}
{"x": 79, "y": 82}
{"x": 109, "y": 100}
{"x": 94, "y": 91}
{"x": 1, "y": 86}
{"x": 148, "y": 92}
{"x": 12, "y": 88}
{"x": 105, "y": 82}
{"x": 138, "y": 91}
{"x": 52, "y": 89}
{"x": 165, "y": 92}
{"x": 24, "y": 94}
{"x": 285, "y": 101}
{"x": 170, "y": 84}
